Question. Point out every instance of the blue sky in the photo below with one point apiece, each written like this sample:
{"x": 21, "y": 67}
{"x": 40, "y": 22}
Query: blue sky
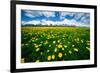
{"x": 54, "y": 17}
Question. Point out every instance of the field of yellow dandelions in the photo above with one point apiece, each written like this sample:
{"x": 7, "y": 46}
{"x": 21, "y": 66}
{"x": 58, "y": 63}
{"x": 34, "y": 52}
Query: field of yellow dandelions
{"x": 46, "y": 44}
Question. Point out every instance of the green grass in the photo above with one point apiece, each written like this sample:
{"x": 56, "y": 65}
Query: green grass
{"x": 44, "y": 44}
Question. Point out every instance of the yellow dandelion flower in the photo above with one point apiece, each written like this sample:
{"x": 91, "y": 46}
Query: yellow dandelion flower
{"x": 40, "y": 44}
{"x": 33, "y": 38}
{"x": 60, "y": 55}
{"x": 49, "y": 58}
{"x": 37, "y": 61}
{"x": 62, "y": 48}
{"x": 49, "y": 45}
{"x": 81, "y": 41}
{"x": 37, "y": 49}
{"x": 41, "y": 53}
{"x": 36, "y": 46}
{"x": 36, "y": 39}
{"x": 48, "y": 50}
{"x": 59, "y": 46}
{"x": 55, "y": 50}
{"x": 53, "y": 57}
{"x": 58, "y": 41}
{"x": 46, "y": 42}
{"x": 75, "y": 49}
{"x": 54, "y": 42}
{"x": 73, "y": 45}
{"x": 65, "y": 46}
{"x": 70, "y": 52}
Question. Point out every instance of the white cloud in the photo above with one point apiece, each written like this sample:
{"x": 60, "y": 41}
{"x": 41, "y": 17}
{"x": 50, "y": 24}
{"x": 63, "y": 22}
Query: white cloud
{"x": 78, "y": 15}
{"x": 82, "y": 17}
{"x": 85, "y": 18}
{"x": 35, "y": 22}
{"x": 48, "y": 14}
{"x": 67, "y": 13}
{"x": 63, "y": 14}
{"x": 48, "y": 22}
{"x": 31, "y": 13}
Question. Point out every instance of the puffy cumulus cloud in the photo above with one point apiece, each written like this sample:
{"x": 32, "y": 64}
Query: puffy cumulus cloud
{"x": 85, "y": 19}
{"x": 77, "y": 16}
{"x": 30, "y": 13}
{"x": 64, "y": 14}
{"x": 32, "y": 22}
{"x": 49, "y": 22}
{"x": 48, "y": 14}
{"x": 36, "y": 13}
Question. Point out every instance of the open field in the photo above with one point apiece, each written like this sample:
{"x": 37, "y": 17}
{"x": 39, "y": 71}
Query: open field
{"x": 44, "y": 44}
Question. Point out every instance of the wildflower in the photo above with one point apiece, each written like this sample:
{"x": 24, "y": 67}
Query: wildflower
{"x": 40, "y": 44}
{"x": 75, "y": 49}
{"x": 37, "y": 61}
{"x": 53, "y": 57}
{"x": 58, "y": 41}
{"x": 73, "y": 45}
{"x": 55, "y": 50}
{"x": 70, "y": 52}
{"x": 49, "y": 45}
{"x": 54, "y": 42}
{"x": 46, "y": 42}
{"x": 37, "y": 49}
{"x": 33, "y": 38}
{"x": 59, "y": 46}
{"x": 60, "y": 55}
{"x": 65, "y": 46}
{"x": 81, "y": 41}
{"x": 48, "y": 50}
{"x": 49, "y": 58}
{"x": 41, "y": 53}
{"x": 36, "y": 39}
{"x": 36, "y": 46}
{"x": 62, "y": 48}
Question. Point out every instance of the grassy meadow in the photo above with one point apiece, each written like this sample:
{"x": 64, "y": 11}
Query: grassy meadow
{"x": 46, "y": 44}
